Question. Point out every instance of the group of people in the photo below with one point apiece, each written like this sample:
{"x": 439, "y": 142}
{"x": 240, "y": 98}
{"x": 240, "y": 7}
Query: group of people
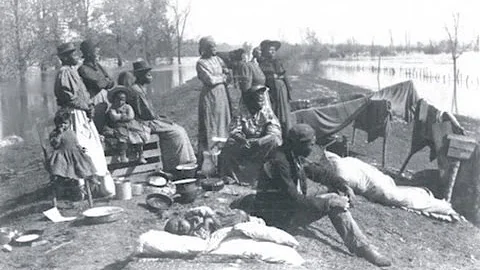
{"x": 91, "y": 105}
{"x": 260, "y": 130}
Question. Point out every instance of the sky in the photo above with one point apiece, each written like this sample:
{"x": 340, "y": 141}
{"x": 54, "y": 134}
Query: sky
{"x": 237, "y": 21}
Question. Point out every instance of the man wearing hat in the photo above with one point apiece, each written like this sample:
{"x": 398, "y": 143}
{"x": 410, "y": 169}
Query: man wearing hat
{"x": 72, "y": 94}
{"x": 253, "y": 135}
{"x": 282, "y": 199}
{"x": 174, "y": 141}
{"x": 97, "y": 81}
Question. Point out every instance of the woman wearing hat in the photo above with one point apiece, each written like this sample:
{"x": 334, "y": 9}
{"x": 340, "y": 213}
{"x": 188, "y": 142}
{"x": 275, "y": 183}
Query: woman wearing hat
{"x": 277, "y": 81}
{"x": 175, "y": 144}
{"x": 97, "y": 81}
{"x": 72, "y": 94}
{"x": 213, "y": 108}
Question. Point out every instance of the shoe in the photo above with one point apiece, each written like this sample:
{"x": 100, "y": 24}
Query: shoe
{"x": 123, "y": 159}
{"x": 373, "y": 256}
{"x": 142, "y": 160}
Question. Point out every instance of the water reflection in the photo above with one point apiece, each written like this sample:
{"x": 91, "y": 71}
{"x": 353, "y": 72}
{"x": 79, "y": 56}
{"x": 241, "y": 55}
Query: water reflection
{"x": 25, "y": 105}
{"x": 433, "y": 83}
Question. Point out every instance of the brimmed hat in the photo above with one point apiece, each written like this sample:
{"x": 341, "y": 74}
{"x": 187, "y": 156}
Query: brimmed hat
{"x": 237, "y": 54}
{"x": 269, "y": 43}
{"x": 64, "y": 48}
{"x": 257, "y": 88}
{"x": 301, "y": 133}
{"x": 140, "y": 67}
{"x": 87, "y": 46}
{"x": 115, "y": 91}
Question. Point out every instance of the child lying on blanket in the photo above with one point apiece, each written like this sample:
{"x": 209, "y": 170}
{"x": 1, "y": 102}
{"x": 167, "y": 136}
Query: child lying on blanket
{"x": 374, "y": 185}
{"x": 202, "y": 221}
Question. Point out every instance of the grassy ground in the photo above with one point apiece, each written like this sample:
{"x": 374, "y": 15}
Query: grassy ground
{"x": 411, "y": 240}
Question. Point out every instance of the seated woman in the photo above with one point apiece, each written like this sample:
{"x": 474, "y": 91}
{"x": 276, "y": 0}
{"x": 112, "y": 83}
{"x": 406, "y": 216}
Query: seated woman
{"x": 253, "y": 135}
{"x": 124, "y": 129}
{"x": 175, "y": 145}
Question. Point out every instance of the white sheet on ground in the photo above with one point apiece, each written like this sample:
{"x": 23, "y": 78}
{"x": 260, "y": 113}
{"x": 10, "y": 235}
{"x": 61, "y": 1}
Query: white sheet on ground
{"x": 244, "y": 242}
{"x": 368, "y": 181}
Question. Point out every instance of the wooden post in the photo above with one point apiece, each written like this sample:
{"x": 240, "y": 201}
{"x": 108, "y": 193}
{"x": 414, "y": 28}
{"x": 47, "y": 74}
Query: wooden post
{"x": 454, "y": 166}
{"x": 353, "y": 135}
{"x": 89, "y": 193}
{"x": 384, "y": 151}
{"x": 405, "y": 164}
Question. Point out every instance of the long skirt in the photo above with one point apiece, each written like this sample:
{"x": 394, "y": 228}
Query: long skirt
{"x": 175, "y": 146}
{"x": 87, "y": 136}
{"x": 213, "y": 116}
{"x": 101, "y": 104}
{"x": 280, "y": 103}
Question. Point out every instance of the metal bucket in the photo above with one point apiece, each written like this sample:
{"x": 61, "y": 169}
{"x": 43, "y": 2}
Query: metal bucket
{"x": 123, "y": 189}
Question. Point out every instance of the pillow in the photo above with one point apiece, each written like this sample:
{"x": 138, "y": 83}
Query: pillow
{"x": 265, "y": 233}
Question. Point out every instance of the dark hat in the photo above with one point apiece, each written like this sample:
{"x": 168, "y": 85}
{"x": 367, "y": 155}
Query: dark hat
{"x": 301, "y": 133}
{"x": 87, "y": 46}
{"x": 64, "y": 48}
{"x": 237, "y": 54}
{"x": 269, "y": 43}
{"x": 257, "y": 89}
{"x": 115, "y": 91}
{"x": 140, "y": 66}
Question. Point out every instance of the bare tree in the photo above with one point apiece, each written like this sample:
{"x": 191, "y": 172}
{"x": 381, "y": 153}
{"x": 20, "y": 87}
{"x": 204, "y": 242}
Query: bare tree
{"x": 180, "y": 21}
{"x": 455, "y": 51}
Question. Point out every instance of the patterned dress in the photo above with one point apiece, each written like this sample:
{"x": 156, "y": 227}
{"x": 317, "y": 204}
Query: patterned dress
{"x": 213, "y": 108}
{"x": 131, "y": 131}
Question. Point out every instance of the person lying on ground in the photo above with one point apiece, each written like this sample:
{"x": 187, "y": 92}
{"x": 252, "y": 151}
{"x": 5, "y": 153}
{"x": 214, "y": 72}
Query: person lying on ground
{"x": 282, "y": 199}
{"x": 253, "y": 136}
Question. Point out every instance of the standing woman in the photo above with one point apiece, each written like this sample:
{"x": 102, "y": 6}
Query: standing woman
{"x": 277, "y": 81}
{"x": 213, "y": 107}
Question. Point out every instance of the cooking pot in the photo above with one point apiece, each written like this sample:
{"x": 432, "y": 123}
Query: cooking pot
{"x": 187, "y": 189}
{"x": 186, "y": 171}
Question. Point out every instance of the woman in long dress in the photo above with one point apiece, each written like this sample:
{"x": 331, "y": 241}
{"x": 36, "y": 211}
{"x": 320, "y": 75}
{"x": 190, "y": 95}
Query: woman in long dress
{"x": 277, "y": 81}
{"x": 213, "y": 108}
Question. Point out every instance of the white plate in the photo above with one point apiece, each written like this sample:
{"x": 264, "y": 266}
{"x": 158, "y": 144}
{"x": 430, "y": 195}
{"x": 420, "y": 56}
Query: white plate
{"x": 185, "y": 181}
{"x": 102, "y": 211}
{"x": 27, "y": 238}
{"x": 157, "y": 181}
{"x": 186, "y": 167}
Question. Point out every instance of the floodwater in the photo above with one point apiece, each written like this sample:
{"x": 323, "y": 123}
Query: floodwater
{"x": 28, "y": 106}
{"x": 432, "y": 77}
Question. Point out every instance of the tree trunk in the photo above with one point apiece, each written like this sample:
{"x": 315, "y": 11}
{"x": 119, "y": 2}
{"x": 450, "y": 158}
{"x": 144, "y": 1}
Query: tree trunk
{"x": 179, "y": 50}
{"x": 455, "y": 79}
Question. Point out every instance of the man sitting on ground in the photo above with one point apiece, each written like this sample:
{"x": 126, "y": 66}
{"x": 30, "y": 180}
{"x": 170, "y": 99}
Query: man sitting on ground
{"x": 283, "y": 202}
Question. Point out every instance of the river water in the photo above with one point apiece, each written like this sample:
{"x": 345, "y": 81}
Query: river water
{"x": 28, "y": 106}
{"x": 432, "y": 77}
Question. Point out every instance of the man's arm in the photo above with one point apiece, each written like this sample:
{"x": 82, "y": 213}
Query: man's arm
{"x": 321, "y": 174}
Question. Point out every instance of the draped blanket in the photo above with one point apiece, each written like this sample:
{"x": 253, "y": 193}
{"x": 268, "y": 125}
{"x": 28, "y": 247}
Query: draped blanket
{"x": 374, "y": 185}
{"x": 403, "y": 98}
